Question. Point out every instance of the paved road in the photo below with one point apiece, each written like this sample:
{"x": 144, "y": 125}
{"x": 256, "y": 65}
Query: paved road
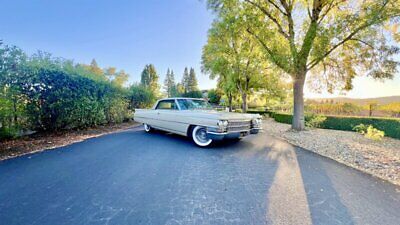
{"x": 136, "y": 178}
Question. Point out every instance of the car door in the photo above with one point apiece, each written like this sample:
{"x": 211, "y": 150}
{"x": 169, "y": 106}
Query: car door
{"x": 167, "y": 115}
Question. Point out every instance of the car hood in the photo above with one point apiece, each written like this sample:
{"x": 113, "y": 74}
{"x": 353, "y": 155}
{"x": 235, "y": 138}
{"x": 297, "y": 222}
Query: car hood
{"x": 213, "y": 114}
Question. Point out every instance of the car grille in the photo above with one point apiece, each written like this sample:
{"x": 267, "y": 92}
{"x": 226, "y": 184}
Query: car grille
{"x": 239, "y": 125}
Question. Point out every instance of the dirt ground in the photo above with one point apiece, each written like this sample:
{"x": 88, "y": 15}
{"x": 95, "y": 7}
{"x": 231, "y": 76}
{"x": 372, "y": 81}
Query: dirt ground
{"x": 49, "y": 140}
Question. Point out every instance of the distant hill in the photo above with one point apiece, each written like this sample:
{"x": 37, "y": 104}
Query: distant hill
{"x": 359, "y": 101}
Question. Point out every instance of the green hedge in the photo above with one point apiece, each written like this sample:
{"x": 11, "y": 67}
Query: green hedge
{"x": 390, "y": 126}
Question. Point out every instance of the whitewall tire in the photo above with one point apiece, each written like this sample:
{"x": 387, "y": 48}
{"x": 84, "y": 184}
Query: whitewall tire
{"x": 147, "y": 128}
{"x": 199, "y": 136}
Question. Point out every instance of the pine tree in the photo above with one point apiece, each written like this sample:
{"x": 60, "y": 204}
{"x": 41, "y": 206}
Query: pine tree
{"x": 169, "y": 83}
{"x": 145, "y": 77}
{"x": 174, "y": 89}
{"x": 185, "y": 80}
{"x": 149, "y": 78}
{"x": 192, "y": 81}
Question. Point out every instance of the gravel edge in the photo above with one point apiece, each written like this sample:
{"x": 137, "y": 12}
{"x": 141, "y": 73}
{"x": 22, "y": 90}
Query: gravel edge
{"x": 378, "y": 158}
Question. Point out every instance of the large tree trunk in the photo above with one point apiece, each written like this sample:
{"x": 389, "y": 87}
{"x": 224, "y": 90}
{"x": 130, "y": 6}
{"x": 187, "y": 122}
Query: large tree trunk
{"x": 244, "y": 102}
{"x": 298, "y": 103}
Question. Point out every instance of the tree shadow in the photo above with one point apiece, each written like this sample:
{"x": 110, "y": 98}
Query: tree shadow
{"x": 324, "y": 202}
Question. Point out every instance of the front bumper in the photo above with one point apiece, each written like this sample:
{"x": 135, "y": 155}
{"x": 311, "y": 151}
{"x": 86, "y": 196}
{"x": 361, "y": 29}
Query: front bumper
{"x": 231, "y": 135}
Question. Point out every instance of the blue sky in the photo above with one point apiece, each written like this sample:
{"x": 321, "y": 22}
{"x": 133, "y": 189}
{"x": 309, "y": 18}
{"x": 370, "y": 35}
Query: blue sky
{"x": 128, "y": 34}
{"x": 125, "y": 34}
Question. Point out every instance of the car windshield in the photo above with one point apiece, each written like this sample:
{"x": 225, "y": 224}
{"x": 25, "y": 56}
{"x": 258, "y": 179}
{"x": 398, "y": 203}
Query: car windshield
{"x": 190, "y": 104}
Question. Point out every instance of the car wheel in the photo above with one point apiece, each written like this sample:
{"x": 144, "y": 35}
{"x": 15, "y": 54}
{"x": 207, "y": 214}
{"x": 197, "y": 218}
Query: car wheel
{"x": 147, "y": 128}
{"x": 199, "y": 136}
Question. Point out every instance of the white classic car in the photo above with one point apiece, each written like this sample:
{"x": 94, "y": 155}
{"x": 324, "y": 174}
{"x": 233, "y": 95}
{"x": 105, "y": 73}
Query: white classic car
{"x": 195, "y": 118}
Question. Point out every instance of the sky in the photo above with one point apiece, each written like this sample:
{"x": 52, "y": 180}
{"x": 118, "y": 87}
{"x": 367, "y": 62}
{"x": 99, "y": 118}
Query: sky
{"x": 128, "y": 34}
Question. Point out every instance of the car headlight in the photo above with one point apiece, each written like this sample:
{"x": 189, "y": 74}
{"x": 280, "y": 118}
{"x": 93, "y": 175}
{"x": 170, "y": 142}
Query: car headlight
{"x": 257, "y": 122}
{"x": 222, "y": 123}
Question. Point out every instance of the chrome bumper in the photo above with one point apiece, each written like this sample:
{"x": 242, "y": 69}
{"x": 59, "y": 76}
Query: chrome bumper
{"x": 231, "y": 135}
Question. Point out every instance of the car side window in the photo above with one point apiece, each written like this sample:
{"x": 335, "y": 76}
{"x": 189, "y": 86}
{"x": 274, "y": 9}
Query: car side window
{"x": 167, "y": 104}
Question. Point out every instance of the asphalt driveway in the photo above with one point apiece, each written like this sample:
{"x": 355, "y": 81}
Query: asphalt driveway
{"x": 136, "y": 178}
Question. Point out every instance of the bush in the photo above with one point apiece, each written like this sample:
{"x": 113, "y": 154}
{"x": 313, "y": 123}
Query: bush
{"x": 140, "y": 96}
{"x": 282, "y": 118}
{"x": 214, "y": 96}
{"x": 369, "y": 132}
{"x": 374, "y": 134}
{"x": 361, "y": 128}
{"x": 261, "y": 112}
{"x": 8, "y": 132}
{"x": 390, "y": 126}
{"x": 315, "y": 121}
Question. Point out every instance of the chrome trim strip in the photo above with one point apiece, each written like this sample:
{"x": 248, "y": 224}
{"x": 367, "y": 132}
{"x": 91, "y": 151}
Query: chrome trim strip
{"x": 229, "y": 132}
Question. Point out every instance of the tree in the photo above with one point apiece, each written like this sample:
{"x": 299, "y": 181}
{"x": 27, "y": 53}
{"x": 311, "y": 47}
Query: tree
{"x": 12, "y": 79}
{"x": 180, "y": 89}
{"x": 393, "y": 108}
{"x": 327, "y": 41}
{"x": 231, "y": 51}
{"x": 96, "y": 70}
{"x": 120, "y": 78}
{"x": 214, "y": 96}
{"x": 149, "y": 78}
{"x": 193, "y": 94}
{"x": 192, "y": 81}
{"x": 169, "y": 84}
{"x": 185, "y": 80}
{"x": 372, "y": 106}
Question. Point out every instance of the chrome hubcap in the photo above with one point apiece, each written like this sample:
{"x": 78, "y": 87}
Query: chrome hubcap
{"x": 201, "y": 135}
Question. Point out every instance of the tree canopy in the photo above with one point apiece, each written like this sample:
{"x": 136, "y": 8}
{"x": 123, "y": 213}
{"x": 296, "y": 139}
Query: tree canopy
{"x": 329, "y": 42}
{"x": 232, "y": 55}
{"x": 149, "y": 78}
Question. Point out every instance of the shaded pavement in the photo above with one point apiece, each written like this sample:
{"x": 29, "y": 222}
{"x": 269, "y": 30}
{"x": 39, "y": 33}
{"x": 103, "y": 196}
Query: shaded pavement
{"x": 132, "y": 177}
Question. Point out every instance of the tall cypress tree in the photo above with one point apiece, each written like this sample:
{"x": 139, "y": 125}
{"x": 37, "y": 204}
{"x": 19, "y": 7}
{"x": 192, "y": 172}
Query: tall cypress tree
{"x": 174, "y": 88}
{"x": 192, "y": 81}
{"x": 185, "y": 80}
{"x": 169, "y": 83}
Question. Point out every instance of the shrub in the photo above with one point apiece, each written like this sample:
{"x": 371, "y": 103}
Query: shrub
{"x": 315, "y": 121}
{"x": 374, "y": 134}
{"x": 214, "y": 96}
{"x": 8, "y": 132}
{"x": 282, "y": 118}
{"x": 140, "y": 96}
{"x": 369, "y": 132}
{"x": 390, "y": 126}
{"x": 361, "y": 128}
